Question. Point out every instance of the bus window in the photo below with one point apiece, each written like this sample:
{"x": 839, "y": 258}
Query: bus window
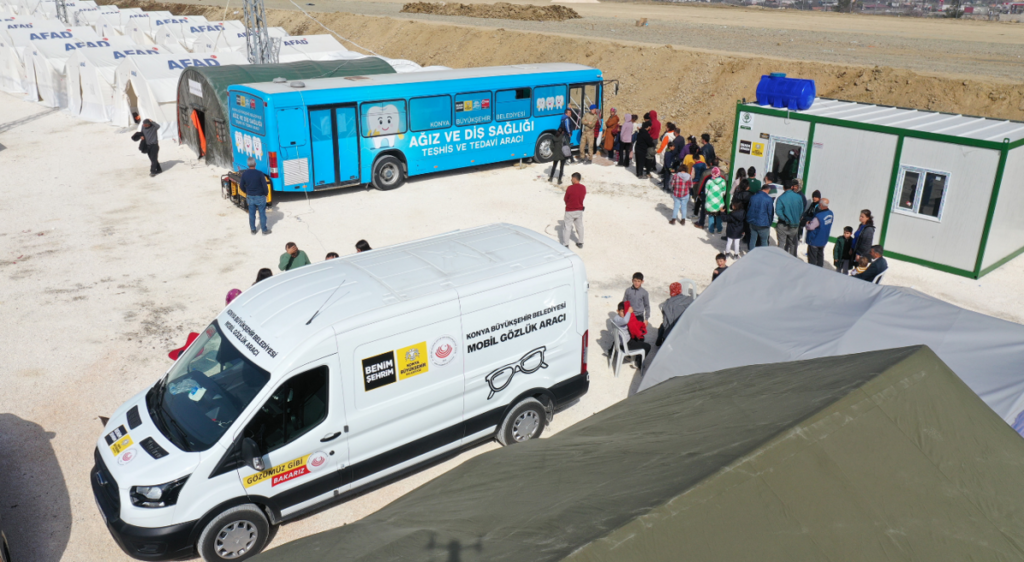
{"x": 548, "y": 100}
{"x": 383, "y": 118}
{"x": 512, "y": 104}
{"x": 430, "y": 113}
{"x": 472, "y": 109}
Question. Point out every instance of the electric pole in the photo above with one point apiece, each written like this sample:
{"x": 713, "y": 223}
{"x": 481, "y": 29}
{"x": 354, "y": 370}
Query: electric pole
{"x": 262, "y": 49}
{"x": 62, "y": 12}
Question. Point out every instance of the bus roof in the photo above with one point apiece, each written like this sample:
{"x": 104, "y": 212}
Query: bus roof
{"x": 280, "y": 310}
{"x": 418, "y": 77}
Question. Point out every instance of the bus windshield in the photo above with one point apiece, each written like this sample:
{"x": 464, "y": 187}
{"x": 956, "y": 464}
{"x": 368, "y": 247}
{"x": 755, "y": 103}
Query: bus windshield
{"x": 205, "y": 391}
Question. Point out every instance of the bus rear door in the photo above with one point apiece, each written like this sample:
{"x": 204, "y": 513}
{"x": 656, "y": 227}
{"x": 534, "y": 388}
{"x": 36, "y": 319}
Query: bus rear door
{"x": 335, "y": 146}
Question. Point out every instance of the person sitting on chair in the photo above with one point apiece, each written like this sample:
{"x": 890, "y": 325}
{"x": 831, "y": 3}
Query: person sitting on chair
{"x": 878, "y": 266}
{"x": 671, "y": 310}
{"x": 632, "y": 331}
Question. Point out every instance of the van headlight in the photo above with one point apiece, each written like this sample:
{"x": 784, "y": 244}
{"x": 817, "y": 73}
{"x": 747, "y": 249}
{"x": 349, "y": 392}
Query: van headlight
{"x": 161, "y": 495}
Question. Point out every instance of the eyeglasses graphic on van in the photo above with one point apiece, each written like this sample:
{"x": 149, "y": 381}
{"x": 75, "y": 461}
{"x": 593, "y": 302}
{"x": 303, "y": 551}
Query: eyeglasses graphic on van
{"x": 530, "y": 363}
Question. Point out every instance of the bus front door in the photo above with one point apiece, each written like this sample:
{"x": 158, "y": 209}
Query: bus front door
{"x": 335, "y": 144}
{"x": 581, "y": 97}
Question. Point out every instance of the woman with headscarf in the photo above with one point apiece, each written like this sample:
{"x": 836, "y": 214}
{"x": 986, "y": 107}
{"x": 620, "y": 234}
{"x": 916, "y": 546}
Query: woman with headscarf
{"x": 655, "y": 126}
{"x": 644, "y": 148}
{"x": 611, "y": 131}
{"x": 714, "y": 200}
{"x": 625, "y": 141}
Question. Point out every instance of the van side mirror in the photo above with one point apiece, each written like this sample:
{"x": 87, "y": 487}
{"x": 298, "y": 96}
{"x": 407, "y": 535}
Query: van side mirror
{"x": 251, "y": 454}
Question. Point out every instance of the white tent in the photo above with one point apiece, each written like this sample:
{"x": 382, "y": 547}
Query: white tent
{"x": 142, "y": 29}
{"x": 12, "y": 48}
{"x": 402, "y": 65}
{"x": 772, "y": 308}
{"x": 11, "y": 23}
{"x": 179, "y": 33}
{"x": 197, "y": 37}
{"x": 88, "y": 16}
{"x": 49, "y": 60}
{"x": 313, "y": 47}
{"x": 233, "y": 40}
{"x": 207, "y": 41}
{"x": 110, "y": 24}
{"x": 91, "y": 80}
{"x": 148, "y": 85}
{"x": 48, "y": 9}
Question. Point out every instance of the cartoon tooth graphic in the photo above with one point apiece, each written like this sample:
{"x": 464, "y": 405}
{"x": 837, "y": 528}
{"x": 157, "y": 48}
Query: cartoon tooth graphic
{"x": 540, "y": 104}
{"x": 550, "y": 102}
{"x": 382, "y": 123}
{"x": 559, "y": 101}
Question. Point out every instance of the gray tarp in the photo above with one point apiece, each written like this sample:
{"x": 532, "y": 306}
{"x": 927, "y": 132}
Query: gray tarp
{"x": 879, "y": 456}
{"x": 771, "y": 307}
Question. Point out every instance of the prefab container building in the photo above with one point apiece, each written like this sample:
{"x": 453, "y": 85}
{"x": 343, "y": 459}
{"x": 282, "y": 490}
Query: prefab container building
{"x": 932, "y": 180}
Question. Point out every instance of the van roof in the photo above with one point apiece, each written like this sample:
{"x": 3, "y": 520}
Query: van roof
{"x": 277, "y": 315}
{"x": 417, "y": 77}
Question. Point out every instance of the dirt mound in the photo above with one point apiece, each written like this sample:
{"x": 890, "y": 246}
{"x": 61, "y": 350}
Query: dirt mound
{"x": 500, "y": 10}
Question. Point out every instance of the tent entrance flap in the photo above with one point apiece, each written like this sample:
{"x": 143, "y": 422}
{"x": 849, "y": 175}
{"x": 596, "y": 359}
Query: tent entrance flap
{"x": 199, "y": 122}
{"x": 133, "y": 103}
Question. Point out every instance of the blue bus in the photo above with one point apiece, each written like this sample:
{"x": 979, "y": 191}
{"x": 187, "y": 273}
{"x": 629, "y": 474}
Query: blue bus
{"x": 381, "y": 129}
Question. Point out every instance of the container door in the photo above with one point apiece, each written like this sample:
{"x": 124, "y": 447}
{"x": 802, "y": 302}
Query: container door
{"x": 348, "y": 145}
{"x": 321, "y": 126}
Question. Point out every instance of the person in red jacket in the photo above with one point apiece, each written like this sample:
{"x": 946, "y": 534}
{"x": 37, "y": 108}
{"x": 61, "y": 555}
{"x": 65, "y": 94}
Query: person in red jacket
{"x": 574, "y": 195}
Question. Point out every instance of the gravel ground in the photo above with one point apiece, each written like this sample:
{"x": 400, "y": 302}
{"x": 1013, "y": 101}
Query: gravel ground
{"x": 105, "y": 269}
{"x": 995, "y": 52}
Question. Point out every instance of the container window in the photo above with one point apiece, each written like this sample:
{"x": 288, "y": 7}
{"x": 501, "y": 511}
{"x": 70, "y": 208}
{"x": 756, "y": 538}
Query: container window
{"x": 383, "y": 118}
{"x": 512, "y": 104}
{"x": 922, "y": 192}
{"x": 296, "y": 407}
{"x": 473, "y": 109}
{"x": 426, "y": 114}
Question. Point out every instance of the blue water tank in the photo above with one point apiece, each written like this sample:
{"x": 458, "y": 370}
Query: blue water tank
{"x": 776, "y": 90}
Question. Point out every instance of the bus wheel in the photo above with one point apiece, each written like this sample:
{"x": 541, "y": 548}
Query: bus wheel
{"x": 387, "y": 173}
{"x": 543, "y": 153}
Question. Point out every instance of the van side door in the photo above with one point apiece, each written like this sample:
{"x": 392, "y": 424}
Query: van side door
{"x": 406, "y": 390}
{"x": 519, "y": 338}
{"x": 300, "y": 431}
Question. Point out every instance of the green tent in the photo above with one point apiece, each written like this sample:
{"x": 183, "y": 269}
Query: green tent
{"x": 204, "y": 92}
{"x": 885, "y": 455}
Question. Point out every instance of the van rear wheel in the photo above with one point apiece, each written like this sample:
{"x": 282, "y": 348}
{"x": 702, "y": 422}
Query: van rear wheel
{"x": 236, "y": 534}
{"x": 526, "y": 421}
{"x": 388, "y": 173}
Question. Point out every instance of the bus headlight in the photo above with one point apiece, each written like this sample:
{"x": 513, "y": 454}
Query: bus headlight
{"x": 161, "y": 495}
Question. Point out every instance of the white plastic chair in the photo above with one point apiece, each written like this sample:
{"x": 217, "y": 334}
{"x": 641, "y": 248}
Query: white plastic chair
{"x": 622, "y": 351}
{"x": 689, "y": 287}
{"x": 878, "y": 278}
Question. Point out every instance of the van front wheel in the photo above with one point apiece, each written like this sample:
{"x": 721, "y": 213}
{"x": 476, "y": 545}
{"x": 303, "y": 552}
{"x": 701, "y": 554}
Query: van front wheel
{"x": 237, "y": 534}
{"x": 526, "y": 421}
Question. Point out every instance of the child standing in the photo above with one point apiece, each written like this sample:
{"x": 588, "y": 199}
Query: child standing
{"x": 679, "y": 186}
{"x": 720, "y": 260}
{"x": 841, "y": 251}
{"x": 735, "y": 221}
{"x": 638, "y": 297}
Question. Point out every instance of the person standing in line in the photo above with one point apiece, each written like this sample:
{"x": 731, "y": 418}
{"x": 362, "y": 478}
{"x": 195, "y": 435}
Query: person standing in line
{"x": 864, "y": 237}
{"x": 611, "y": 133}
{"x": 810, "y": 210}
{"x": 736, "y": 223}
{"x": 574, "y": 195}
{"x": 332, "y": 256}
{"x": 292, "y": 258}
{"x": 642, "y": 148}
{"x": 698, "y": 170}
{"x": 263, "y": 273}
{"x": 639, "y": 299}
{"x": 666, "y": 166}
{"x": 788, "y": 207}
{"x": 655, "y": 126}
{"x": 254, "y": 184}
{"x": 568, "y": 125}
{"x": 362, "y": 246}
{"x": 817, "y": 234}
{"x": 755, "y": 184}
{"x": 590, "y": 122}
{"x": 558, "y": 157}
{"x": 714, "y": 200}
{"x": 679, "y": 184}
{"x": 742, "y": 196}
{"x": 149, "y": 132}
{"x": 760, "y": 215}
{"x": 626, "y": 141}
{"x": 841, "y": 251}
{"x": 791, "y": 168}
{"x": 708, "y": 150}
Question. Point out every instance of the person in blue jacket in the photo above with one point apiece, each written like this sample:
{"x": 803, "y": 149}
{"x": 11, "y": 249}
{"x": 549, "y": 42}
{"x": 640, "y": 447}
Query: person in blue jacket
{"x": 760, "y": 215}
{"x": 818, "y": 230}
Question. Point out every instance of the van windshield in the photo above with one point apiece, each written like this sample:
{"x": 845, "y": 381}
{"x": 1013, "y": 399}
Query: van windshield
{"x": 205, "y": 391}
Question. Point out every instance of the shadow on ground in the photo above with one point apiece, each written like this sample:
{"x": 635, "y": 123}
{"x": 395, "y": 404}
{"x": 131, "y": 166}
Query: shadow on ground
{"x": 34, "y": 502}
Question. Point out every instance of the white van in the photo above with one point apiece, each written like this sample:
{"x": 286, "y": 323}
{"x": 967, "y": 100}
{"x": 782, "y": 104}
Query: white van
{"x": 317, "y": 383}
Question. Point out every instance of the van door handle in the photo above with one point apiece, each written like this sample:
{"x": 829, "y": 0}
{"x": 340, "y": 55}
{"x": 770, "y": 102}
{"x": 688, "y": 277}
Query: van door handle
{"x": 330, "y": 436}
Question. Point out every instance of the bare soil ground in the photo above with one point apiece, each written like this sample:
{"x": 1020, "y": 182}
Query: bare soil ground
{"x": 499, "y": 10}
